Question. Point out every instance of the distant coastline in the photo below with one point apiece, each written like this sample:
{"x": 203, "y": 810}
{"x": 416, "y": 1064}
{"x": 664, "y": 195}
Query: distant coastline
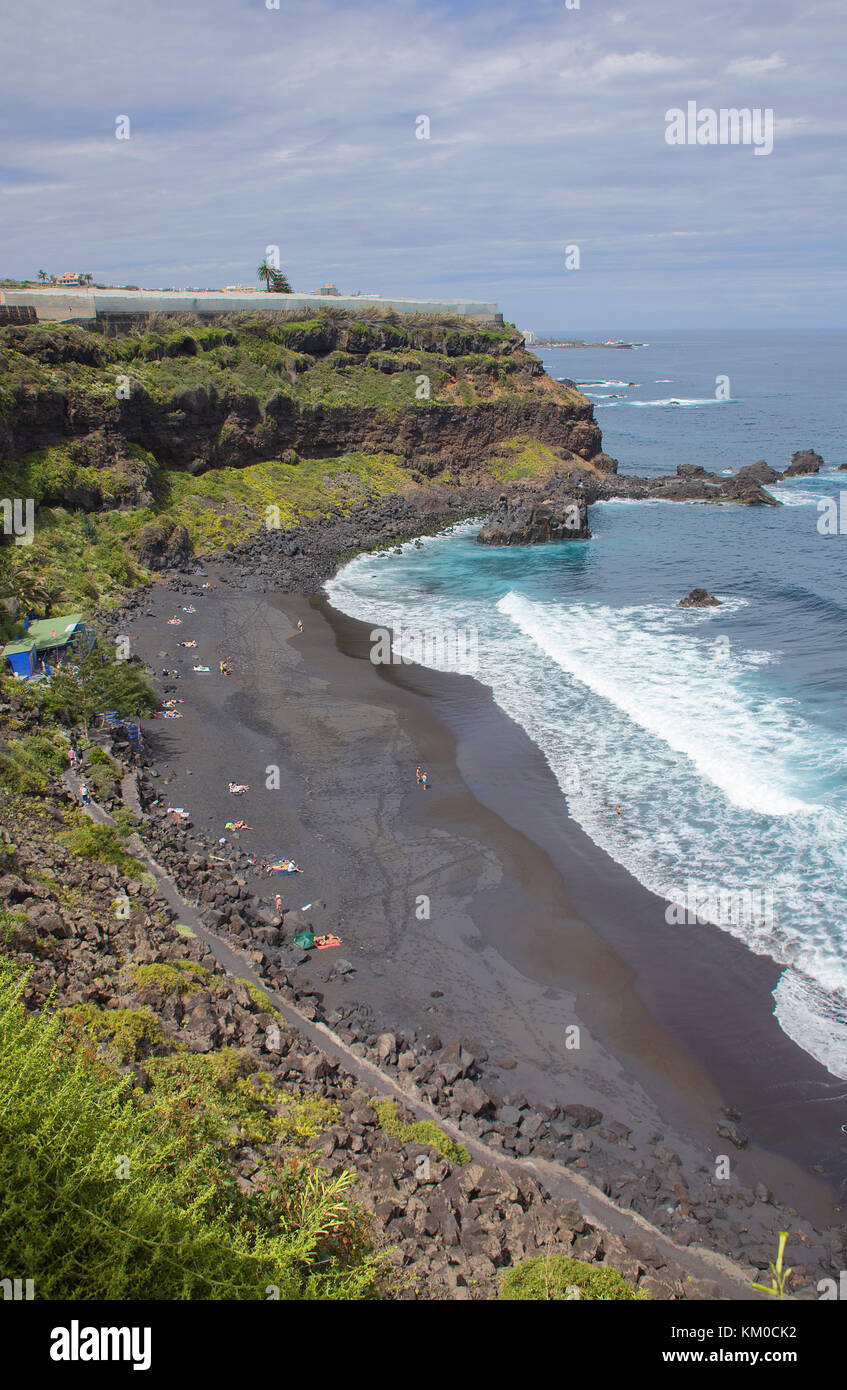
{"x": 579, "y": 343}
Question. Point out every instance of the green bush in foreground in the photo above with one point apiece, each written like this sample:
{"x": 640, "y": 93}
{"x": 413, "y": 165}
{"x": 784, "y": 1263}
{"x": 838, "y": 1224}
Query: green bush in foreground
{"x": 103, "y": 843}
{"x": 421, "y": 1132}
{"x": 559, "y": 1277}
{"x": 106, "y": 1193}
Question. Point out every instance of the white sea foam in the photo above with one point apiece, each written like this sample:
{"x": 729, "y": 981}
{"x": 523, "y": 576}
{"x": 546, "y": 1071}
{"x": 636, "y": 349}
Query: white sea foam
{"x": 720, "y": 778}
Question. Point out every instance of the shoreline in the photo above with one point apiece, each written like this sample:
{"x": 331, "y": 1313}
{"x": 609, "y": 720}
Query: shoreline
{"x": 492, "y": 846}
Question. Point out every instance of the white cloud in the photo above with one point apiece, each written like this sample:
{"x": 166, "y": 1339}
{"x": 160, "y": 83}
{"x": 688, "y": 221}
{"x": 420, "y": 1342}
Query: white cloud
{"x": 752, "y": 67}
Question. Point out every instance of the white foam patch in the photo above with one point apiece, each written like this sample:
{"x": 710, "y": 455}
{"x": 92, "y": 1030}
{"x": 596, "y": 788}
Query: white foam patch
{"x": 681, "y": 690}
{"x": 815, "y": 1018}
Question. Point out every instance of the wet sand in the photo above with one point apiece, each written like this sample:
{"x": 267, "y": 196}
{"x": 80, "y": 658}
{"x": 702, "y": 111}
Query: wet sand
{"x": 531, "y": 929}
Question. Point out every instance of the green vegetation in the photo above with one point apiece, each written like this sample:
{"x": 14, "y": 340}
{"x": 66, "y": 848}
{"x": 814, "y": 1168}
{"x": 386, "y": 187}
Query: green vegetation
{"x": 421, "y": 1132}
{"x": 97, "y": 682}
{"x": 182, "y": 977}
{"x": 230, "y": 392}
{"x": 104, "y": 843}
{"x": 779, "y": 1274}
{"x": 131, "y": 1034}
{"x": 559, "y": 1277}
{"x": 110, "y": 1193}
{"x": 521, "y": 457}
{"x": 28, "y": 763}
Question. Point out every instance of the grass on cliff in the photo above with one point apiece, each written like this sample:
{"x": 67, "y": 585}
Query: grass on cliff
{"x": 558, "y": 1277}
{"x": 222, "y": 507}
{"x": 94, "y": 493}
{"x": 419, "y": 1132}
{"x": 110, "y": 1193}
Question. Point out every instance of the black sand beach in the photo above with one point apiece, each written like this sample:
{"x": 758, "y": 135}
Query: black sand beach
{"x": 531, "y": 928}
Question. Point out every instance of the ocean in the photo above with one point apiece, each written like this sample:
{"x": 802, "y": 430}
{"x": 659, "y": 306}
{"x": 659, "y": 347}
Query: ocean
{"x": 720, "y": 733}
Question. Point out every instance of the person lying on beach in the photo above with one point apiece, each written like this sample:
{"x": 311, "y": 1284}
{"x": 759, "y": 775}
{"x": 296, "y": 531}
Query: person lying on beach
{"x": 174, "y": 622}
{"x": 171, "y": 714}
{"x": 177, "y": 811}
{"x": 189, "y": 609}
{"x": 322, "y": 942}
{"x": 285, "y": 866}
{"x": 186, "y": 644}
{"x": 237, "y": 825}
{"x": 238, "y": 787}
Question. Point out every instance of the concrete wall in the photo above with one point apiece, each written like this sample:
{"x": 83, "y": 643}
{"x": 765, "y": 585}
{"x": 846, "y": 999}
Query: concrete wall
{"x": 79, "y": 305}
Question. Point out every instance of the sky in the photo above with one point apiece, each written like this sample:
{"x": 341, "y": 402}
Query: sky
{"x": 298, "y": 127}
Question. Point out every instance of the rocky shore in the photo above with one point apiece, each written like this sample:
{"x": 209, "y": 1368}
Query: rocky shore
{"x": 457, "y": 1075}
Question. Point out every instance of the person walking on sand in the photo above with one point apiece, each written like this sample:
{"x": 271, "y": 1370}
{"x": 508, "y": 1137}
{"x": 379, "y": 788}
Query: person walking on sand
{"x": 224, "y": 668}
{"x": 418, "y": 775}
{"x": 278, "y": 904}
{"x": 424, "y": 781}
{"x": 299, "y": 624}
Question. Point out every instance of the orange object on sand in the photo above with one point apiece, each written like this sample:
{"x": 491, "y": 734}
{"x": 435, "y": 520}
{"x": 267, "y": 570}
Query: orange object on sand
{"x": 322, "y": 942}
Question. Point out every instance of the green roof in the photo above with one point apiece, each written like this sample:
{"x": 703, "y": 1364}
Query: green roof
{"x": 46, "y": 633}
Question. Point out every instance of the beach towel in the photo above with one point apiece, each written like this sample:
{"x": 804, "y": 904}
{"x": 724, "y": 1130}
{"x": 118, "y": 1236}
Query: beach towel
{"x": 324, "y": 942}
{"x": 201, "y": 668}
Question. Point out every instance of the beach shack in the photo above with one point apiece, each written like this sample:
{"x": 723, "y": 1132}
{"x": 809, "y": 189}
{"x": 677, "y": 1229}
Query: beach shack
{"x": 46, "y": 644}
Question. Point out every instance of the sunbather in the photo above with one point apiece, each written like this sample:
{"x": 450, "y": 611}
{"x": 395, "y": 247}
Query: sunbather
{"x": 237, "y": 788}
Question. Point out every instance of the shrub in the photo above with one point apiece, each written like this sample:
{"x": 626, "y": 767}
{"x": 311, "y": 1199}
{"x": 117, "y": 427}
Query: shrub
{"x": 105, "y": 843}
{"x": 559, "y": 1277}
{"x": 106, "y": 1193}
{"x": 419, "y": 1132}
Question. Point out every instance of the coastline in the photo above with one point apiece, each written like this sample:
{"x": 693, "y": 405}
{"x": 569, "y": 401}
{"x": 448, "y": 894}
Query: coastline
{"x": 532, "y": 928}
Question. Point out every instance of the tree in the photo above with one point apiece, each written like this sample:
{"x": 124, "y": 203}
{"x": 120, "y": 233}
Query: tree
{"x": 86, "y": 278}
{"x": 42, "y": 274}
{"x": 281, "y": 283}
{"x": 32, "y": 593}
{"x": 96, "y": 682}
{"x": 266, "y": 273}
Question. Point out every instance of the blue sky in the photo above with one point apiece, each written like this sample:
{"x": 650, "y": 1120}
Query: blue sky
{"x": 296, "y": 127}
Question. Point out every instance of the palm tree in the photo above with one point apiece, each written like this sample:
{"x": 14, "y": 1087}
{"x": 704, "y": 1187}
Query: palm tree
{"x": 86, "y": 278}
{"x": 266, "y": 273}
{"x": 42, "y": 274}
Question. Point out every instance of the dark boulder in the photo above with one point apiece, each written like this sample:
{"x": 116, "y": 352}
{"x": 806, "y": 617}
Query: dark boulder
{"x": 162, "y": 545}
{"x": 522, "y": 523}
{"x": 803, "y": 461}
{"x": 699, "y": 598}
{"x": 760, "y": 472}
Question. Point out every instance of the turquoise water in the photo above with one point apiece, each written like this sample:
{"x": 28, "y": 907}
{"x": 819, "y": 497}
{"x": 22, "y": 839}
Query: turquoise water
{"x": 719, "y": 732}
